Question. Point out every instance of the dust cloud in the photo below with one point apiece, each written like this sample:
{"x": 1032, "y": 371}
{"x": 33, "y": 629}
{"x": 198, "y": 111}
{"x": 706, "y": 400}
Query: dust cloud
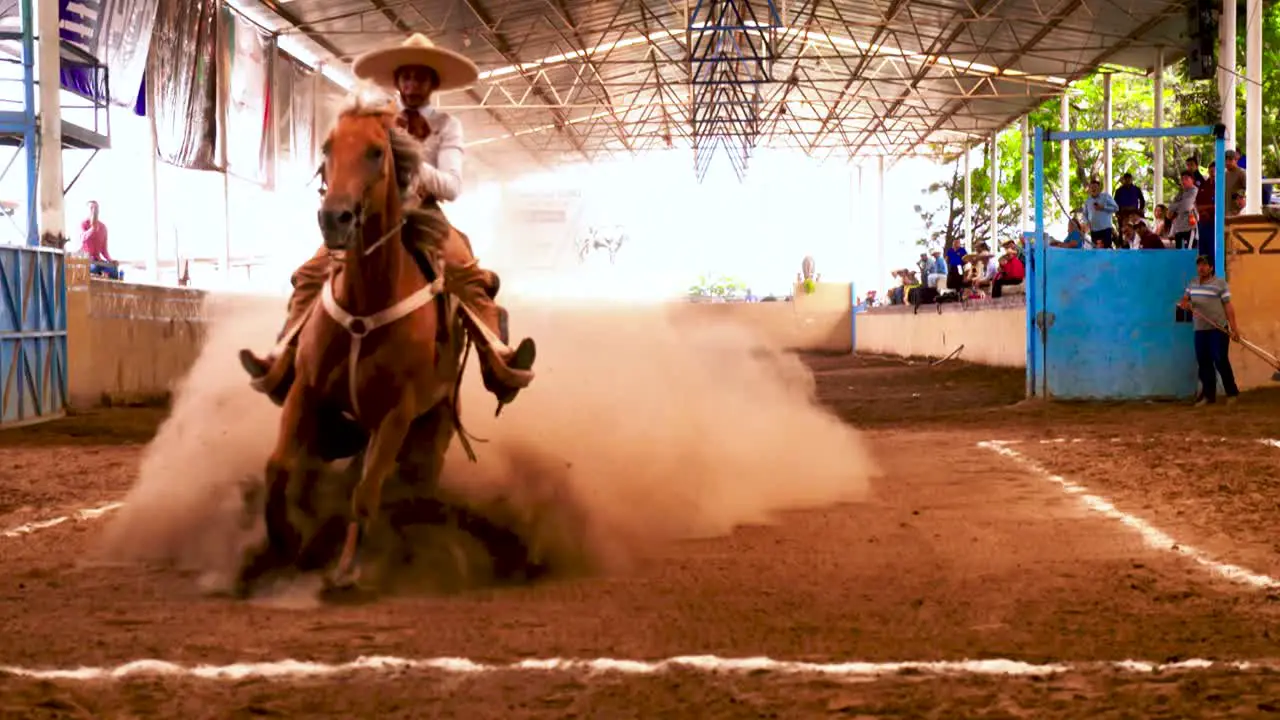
{"x": 639, "y": 429}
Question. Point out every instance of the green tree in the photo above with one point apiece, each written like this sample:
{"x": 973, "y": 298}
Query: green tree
{"x": 1187, "y": 103}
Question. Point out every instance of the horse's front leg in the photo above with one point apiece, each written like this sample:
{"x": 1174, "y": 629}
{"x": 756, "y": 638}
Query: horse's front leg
{"x": 282, "y": 540}
{"x": 379, "y": 462}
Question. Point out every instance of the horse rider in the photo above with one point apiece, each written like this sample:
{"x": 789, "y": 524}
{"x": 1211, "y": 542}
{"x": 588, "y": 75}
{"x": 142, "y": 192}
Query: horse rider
{"x": 415, "y": 69}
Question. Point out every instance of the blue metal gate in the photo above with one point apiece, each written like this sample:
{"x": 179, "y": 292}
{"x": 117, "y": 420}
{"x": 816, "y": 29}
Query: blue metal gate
{"x": 1108, "y": 329}
{"x": 33, "y": 334}
{"x": 1101, "y": 323}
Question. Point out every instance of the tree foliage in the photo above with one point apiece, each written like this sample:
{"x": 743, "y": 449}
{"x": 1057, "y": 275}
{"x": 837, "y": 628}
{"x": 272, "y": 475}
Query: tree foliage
{"x": 1186, "y": 103}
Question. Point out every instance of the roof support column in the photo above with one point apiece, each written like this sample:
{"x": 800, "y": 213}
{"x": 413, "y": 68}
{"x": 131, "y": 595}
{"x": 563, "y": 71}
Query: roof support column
{"x": 1064, "y": 147}
{"x": 1227, "y": 64}
{"x": 995, "y": 191}
{"x": 1158, "y": 164}
{"x": 1253, "y": 107}
{"x": 1108, "y": 179}
{"x": 881, "y": 269}
{"x": 968, "y": 197}
{"x": 153, "y": 179}
{"x": 1026, "y": 185}
{"x": 49, "y": 79}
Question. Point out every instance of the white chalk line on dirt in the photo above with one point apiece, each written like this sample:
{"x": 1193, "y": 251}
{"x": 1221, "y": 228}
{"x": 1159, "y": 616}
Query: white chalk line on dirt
{"x": 295, "y": 669}
{"x": 37, "y": 525}
{"x": 1152, "y": 536}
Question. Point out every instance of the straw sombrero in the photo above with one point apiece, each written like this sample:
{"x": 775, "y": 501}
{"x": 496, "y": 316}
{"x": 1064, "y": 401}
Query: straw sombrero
{"x": 380, "y": 66}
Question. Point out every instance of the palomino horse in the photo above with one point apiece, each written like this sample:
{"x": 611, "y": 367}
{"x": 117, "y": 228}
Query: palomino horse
{"x": 384, "y": 349}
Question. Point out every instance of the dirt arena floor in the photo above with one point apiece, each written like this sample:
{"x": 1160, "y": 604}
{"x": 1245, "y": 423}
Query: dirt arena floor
{"x": 1063, "y": 538}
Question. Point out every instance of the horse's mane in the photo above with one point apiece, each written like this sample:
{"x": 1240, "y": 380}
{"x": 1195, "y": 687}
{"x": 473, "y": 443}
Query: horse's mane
{"x": 406, "y": 152}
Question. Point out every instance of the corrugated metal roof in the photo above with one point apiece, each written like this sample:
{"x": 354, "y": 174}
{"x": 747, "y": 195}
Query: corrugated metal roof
{"x": 575, "y": 79}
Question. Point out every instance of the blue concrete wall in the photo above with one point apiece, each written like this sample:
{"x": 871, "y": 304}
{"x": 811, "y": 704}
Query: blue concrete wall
{"x": 33, "y": 334}
{"x": 1112, "y": 333}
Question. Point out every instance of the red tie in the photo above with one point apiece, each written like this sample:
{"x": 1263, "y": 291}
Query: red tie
{"x": 416, "y": 125}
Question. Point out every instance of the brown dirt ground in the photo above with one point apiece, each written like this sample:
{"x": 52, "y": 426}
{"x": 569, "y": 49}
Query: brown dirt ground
{"x": 959, "y": 554}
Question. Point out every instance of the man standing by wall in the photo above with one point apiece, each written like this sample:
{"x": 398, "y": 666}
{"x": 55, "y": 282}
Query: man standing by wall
{"x": 1100, "y": 210}
{"x": 1130, "y": 199}
{"x": 1209, "y": 300}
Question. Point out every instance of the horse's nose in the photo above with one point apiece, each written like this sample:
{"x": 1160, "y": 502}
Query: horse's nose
{"x": 336, "y": 225}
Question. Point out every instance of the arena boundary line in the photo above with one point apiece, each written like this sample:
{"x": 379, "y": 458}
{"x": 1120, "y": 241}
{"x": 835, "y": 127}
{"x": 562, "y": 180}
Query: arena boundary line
{"x": 1151, "y": 536}
{"x": 79, "y": 515}
{"x": 295, "y": 669}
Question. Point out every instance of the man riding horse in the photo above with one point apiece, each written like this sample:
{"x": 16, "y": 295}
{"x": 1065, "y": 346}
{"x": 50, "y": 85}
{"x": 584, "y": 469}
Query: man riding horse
{"x": 415, "y": 69}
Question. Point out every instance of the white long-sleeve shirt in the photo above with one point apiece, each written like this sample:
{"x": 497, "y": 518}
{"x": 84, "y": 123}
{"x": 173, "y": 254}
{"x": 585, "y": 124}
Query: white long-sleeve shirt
{"x": 441, "y": 170}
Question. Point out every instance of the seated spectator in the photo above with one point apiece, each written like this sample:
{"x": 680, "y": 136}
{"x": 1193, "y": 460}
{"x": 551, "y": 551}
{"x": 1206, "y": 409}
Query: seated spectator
{"x": 897, "y": 293}
{"x": 1148, "y": 240}
{"x": 1075, "y": 237}
{"x": 1237, "y": 201}
{"x": 1162, "y": 222}
{"x": 1128, "y": 237}
{"x": 937, "y": 275}
{"x": 1011, "y": 271}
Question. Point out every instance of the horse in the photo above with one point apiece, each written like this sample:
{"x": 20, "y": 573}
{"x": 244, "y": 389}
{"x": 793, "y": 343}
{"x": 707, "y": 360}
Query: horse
{"x": 379, "y": 359}
{"x": 596, "y": 240}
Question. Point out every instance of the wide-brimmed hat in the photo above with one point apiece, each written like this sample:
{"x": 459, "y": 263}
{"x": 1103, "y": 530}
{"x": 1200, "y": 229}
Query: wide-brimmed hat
{"x": 379, "y": 66}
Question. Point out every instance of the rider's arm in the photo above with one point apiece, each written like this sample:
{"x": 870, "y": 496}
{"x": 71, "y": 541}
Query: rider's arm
{"x": 444, "y": 179}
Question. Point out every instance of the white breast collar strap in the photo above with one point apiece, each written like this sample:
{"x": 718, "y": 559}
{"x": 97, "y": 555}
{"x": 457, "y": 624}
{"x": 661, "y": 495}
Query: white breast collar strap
{"x": 358, "y": 327}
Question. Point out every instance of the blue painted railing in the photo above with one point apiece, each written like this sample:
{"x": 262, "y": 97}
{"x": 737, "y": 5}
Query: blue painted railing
{"x": 33, "y": 334}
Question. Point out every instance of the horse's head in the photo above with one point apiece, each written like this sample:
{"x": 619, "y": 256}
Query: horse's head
{"x": 368, "y": 165}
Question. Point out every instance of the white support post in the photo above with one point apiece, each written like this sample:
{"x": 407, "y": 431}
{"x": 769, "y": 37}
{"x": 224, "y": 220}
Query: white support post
{"x": 1158, "y": 164}
{"x": 153, "y": 176}
{"x": 882, "y": 270}
{"x": 49, "y": 181}
{"x": 1227, "y": 68}
{"x": 995, "y": 194}
{"x": 968, "y": 200}
{"x": 1026, "y": 173}
{"x": 1064, "y": 147}
{"x": 1253, "y": 108}
{"x": 1108, "y": 179}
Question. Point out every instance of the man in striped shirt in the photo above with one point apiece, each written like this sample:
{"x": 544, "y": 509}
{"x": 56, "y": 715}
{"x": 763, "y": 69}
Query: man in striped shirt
{"x": 1209, "y": 298}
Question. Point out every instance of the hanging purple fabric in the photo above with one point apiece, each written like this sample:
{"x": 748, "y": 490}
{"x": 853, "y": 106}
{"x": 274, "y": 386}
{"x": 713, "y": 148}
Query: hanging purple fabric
{"x": 78, "y": 28}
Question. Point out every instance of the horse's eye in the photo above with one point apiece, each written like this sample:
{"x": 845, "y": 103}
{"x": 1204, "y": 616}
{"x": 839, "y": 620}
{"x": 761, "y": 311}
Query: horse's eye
{"x": 375, "y": 154}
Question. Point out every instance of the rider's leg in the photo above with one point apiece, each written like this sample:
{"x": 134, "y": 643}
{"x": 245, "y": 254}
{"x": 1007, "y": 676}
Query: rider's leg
{"x": 270, "y": 372}
{"x": 506, "y": 371}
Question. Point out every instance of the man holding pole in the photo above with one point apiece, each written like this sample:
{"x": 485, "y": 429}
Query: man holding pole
{"x": 1209, "y": 301}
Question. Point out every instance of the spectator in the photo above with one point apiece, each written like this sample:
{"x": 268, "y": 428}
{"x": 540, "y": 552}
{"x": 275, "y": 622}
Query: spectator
{"x": 1193, "y": 167}
{"x": 1234, "y": 181}
{"x": 93, "y": 236}
{"x": 1130, "y": 199}
{"x": 955, "y": 264}
{"x": 937, "y": 275}
{"x": 1214, "y": 319}
{"x": 1100, "y": 209}
{"x": 1012, "y": 271}
{"x": 1148, "y": 240}
{"x": 1128, "y": 237}
{"x": 1183, "y": 211}
{"x": 897, "y": 293}
{"x": 1075, "y": 237}
{"x": 1163, "y": 226}
{"x": 1206, "y": 201}
{"x": 1237, "y": 202}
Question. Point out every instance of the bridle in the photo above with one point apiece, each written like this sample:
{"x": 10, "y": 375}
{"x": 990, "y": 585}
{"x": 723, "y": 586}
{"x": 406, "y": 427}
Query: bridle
{"x": 358, "y": 327}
